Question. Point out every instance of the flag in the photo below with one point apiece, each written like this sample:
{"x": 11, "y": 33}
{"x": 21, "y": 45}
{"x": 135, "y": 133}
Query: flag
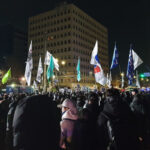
{"x": 6, "y": 76}
{"x": 130, "y": 68}
{"x": 98, "y": 71}
{"x": 35, "y": 85}
{"x": 78, "y": 71}
{"x": 29, "y": 66}
{"x": 40, "y": 71}
{"x": 107, "y": 82}
{"x": 109, "y": 79}
{"x": 136, "y": 59}
{"x": 137, "y": 80}
{"x": 47, "y": 60}
{"x": 115, "y": 63}
{"x": 50, "y": 70}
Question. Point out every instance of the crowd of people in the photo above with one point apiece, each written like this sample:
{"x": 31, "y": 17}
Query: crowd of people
{"x": 111, "y": 120}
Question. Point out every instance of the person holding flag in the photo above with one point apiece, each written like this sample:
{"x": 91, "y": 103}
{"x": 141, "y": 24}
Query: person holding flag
{"x": 98, "y": 71}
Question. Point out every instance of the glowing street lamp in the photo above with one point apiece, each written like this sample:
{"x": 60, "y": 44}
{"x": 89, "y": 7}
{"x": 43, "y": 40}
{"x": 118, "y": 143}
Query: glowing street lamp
{"x": 53, "y": 77}
{"x": 63, "y": 62}
{"x": 122, "y": 74}
{"x": 13, "y": 85}
{"x": 23, "y": 79}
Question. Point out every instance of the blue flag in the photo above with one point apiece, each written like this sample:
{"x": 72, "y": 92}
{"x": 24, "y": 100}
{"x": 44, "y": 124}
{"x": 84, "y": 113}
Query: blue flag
{"x": 130, "y": 69}
{"x": 78, "y": 71}
{"x": 115, "y": 63}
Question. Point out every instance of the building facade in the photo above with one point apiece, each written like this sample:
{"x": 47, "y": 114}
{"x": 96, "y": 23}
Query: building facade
{"x": 68, "y": 33}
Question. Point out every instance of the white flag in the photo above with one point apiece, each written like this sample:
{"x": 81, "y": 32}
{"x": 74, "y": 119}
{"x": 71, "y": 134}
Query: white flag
{"x": 35, "y": 84}
{"x": 109, "y": 79}
{"x": 136, "y": 59}
{"x": 98, "y": 71}
{"x": 40, "y": 71}
{"x": 29, "y": 66}
{"x": 47, "y": 60}
{"x": 137, "y": 80}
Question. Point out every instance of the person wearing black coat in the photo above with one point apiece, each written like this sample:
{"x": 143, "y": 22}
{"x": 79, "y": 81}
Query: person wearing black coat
{"x": 84, "y": 134}
{"x": 10, "y": 115}
{"x": 4, "y": 107}
{"x": 116, "y": 129}
{"x": 36, "y": 124}
{"x": 138, "y": 107}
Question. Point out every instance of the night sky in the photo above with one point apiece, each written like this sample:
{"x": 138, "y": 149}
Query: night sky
{"x": 128, "y": 21}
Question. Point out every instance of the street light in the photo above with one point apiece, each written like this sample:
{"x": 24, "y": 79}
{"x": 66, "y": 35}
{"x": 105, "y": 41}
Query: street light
{"x": 23, "y": 79}
{"x": 13, "y": 85}
{"x": 122, "y": 74}
{"x": 63, "y": 62}
{"x": 122, "y": 80}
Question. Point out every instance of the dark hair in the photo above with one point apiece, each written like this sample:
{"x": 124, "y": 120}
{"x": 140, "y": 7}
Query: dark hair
{"x": 112, "y": 92}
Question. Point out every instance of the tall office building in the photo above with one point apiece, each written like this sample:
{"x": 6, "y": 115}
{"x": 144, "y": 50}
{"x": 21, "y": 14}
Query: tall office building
{"x": 68, "y": 33}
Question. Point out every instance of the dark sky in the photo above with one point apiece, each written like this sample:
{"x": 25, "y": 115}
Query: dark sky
{"x": 128, "y": 21}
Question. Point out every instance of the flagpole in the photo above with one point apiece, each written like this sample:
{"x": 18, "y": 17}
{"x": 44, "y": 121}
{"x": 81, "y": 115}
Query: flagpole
{"x": 44, "y": 76}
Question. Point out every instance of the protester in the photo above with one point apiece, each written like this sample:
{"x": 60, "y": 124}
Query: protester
{"x": 84, "y": 134}
{"x": 69, "y": 116}
{"x": 116, "y": 129}
{"x": 138, "y": 107}
{"x": 36, "y": 124}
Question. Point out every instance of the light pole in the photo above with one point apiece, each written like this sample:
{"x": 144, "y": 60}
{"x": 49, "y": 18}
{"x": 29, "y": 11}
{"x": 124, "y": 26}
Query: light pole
{"x": 122, "y": 80}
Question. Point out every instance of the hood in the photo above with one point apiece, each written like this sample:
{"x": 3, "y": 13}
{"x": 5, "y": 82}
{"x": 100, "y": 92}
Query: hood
{"x": 70, "y": 115}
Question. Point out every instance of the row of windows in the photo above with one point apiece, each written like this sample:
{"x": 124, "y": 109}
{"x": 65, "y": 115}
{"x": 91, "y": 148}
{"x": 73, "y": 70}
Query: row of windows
{"x": 89, "y": 28}
{"x": 77, "y": 13}
{"x": 60, "y": 28}
{"x": 89, "y": 21}
{"x": 51, "y": 16}
{"x": 57, "y": 22}
{"x": 51, "y": 23}
{"x": 62, "y": 35}
{"x": 41, "y": 33}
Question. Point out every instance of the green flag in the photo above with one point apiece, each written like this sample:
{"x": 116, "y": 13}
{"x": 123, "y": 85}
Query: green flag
{"x": 78, "y": 70}
{"x": 50, "y": 70}
{"x": 6, "y": 76}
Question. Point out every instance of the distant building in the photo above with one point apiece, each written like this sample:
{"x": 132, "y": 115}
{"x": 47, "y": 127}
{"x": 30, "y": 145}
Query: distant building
{"x": 13, "y": 45}
{"x": 67, "y": 32}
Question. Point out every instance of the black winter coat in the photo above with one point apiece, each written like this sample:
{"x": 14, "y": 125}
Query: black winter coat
{"x": 36, "y": 124}
{"x": 121, "y": 121}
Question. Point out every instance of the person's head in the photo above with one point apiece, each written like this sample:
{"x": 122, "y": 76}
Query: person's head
{"x": 93, "y": 98}
{"x": 67, "y": 104}
{"x": 112, "y": 95}
{"x": 134, "y": 92}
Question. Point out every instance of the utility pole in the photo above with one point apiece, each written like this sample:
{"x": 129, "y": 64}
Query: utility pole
{"x": 44, "y": 75}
